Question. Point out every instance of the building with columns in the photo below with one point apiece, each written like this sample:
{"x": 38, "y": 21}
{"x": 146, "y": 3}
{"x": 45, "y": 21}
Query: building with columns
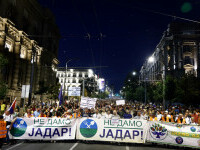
{"x": 177, "y": 53}
{"x": 75, "y": 77}
{"x": 27, "y": 30}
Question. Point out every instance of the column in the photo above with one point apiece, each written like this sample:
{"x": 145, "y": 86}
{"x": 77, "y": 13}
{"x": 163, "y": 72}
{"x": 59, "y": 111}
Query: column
{"x": 28, "y": 70}
{"x": 2, "y": 34}
{"x": 17, "y": 48}
{"x": 198, "y": 59}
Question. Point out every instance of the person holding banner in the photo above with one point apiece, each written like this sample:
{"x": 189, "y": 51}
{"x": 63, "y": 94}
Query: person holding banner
{"x": 153, "y": 117}
{"x": 36, "y": 112}
{"x": 97, "y": 114}
{"x": 28, "y": 114}
{"x": 180, "y": 119}
{"x": 115, "y": 115}
{"x": 3, "y": 131}
{"x": 108, "y": 115}
{"x": 76, "y": 114}
{"x": 8, "y": 118}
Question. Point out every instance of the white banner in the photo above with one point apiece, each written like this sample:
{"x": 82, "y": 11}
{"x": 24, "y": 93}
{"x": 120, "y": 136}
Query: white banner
{"x": 87, "y": 102}
{"x": 25, "y": 91}
{"x": 120, "y": 102}
{"x": 123, "y": 130}
{"x": 43, "y": 129}
{"x": 74, "y": 91}
{"x": 174, "y": 134}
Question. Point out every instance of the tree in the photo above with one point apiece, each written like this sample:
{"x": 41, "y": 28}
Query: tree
{"x": 139, "y": 93}
{"x": 130, "y": 85}
{"x": 3, "y": 61}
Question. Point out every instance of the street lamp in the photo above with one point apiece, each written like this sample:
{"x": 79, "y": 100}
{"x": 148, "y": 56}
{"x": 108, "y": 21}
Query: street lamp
{"x": 66, "y": 76}
{"x": 134, "y": 73}
{"x": 151, "y": 60}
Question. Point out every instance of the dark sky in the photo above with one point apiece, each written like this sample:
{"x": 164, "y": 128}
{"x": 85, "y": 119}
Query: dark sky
{"x": 129, "y": 31}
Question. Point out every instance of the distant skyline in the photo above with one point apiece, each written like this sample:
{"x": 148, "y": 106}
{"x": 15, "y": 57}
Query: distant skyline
{"x": 119, "y": 34}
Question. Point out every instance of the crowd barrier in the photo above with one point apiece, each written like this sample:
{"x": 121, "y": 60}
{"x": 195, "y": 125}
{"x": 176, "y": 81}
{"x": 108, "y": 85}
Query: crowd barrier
{"x": 115, "y": 130}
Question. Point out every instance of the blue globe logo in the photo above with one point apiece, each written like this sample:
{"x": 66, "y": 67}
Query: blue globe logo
{"x": 193, "y": 129}
{"x": 19, "y": 127}
{"x": 88, "y": 128}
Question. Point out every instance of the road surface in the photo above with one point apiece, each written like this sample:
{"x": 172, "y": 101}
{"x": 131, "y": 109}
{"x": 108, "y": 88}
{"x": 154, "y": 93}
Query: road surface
{"x": 81, "y": 146}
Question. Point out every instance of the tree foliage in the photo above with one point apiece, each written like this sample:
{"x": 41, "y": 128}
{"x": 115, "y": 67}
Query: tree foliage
{"x": 185, "y": 89}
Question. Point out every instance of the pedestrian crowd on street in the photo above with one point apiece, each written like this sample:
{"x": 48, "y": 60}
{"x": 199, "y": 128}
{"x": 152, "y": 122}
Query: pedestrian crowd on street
{"x": 178, "y": 113}
{"x": 109, "y": 110}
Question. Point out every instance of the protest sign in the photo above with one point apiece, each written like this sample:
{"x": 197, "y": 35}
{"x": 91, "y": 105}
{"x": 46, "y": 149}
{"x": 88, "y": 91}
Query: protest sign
{"x": 174, "y": 134}
{"x": 43, "y": 129}
{"x": 87, "y": 102}
{"x": 131, "y": 131}
{"x": 120, "y": 102}
{"x": 74, "y": 91}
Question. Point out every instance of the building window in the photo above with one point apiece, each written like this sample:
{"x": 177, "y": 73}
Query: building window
{"x": 187, "y": 48}
{"x": 8, "y": 47}
{"x": 23, "y": 53}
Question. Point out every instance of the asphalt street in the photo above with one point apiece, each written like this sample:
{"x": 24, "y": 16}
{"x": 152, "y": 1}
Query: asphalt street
{"x": 81, "y": 146}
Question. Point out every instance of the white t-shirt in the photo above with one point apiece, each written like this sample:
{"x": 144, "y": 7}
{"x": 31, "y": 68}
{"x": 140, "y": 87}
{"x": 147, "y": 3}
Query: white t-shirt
{"x": 188, "y": 120}
{"x": 108, "y": 116}
{"x": 7, "y": 118}
{"x": 96, "y": 116}
{"x": 159, "y": 117}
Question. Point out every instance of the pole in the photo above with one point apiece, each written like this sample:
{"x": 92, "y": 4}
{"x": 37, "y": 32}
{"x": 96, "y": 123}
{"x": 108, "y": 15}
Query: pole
{"x": 145, "y": 92}
{"x": 65, "y": 81}
{"x": 31, "y": 81}
{"x": 83, "y": 88}
{"x": 164, "y": 78}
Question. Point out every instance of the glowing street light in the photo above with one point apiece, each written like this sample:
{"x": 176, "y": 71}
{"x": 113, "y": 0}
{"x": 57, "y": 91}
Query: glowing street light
{"x": 134, "y": 73}
{"x": 151, "y": 59}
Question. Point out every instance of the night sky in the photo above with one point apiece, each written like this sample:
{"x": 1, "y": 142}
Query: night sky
{"x": 123, "y": 33}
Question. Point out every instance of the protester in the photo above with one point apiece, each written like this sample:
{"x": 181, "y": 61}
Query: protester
{"x": 3, "y": 131}
{"x": 8, "y": 118}
{"x": 97, "y": 114}
{"x": 3, "y": 107}
{"x": 37, "y": 112}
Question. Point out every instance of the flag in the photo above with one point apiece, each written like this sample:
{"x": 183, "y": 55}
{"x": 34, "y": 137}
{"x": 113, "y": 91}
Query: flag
{"x": 60, "y": 97}
{"x": 12, "y": 107}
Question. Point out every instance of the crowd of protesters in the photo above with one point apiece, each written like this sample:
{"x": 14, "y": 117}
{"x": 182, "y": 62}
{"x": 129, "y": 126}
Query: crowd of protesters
{"x": 179, "y": 114}
{"x": 108, "y": 110}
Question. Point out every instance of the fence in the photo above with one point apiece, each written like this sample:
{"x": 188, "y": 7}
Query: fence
{"x": 117, "y": 130}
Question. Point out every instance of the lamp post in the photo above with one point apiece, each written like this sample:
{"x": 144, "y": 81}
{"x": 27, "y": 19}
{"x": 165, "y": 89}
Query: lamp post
{"x": 151, "y": 60}
{"x": 66, "y": 77}
{"x": 32, "y": 76}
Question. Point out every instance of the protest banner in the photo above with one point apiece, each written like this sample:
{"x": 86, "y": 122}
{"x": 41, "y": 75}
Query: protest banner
{"x": 174, "y": 134}
{"x": 120, "y": 102}
{"x": 87, "y": 102}
{"x": 74, "y": 91}
{"x": 43, "y": 129}
{"x": 84, "y": 102}
{"x": 126, "y": 130}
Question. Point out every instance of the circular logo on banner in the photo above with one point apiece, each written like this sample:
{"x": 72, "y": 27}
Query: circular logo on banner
{"x": 88, "y": 128}
{"x": 158, "y": 132}
{"x": 179, "y": 140}
{"x": 193, "y": 129}
{"x": 19, "y": 127}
